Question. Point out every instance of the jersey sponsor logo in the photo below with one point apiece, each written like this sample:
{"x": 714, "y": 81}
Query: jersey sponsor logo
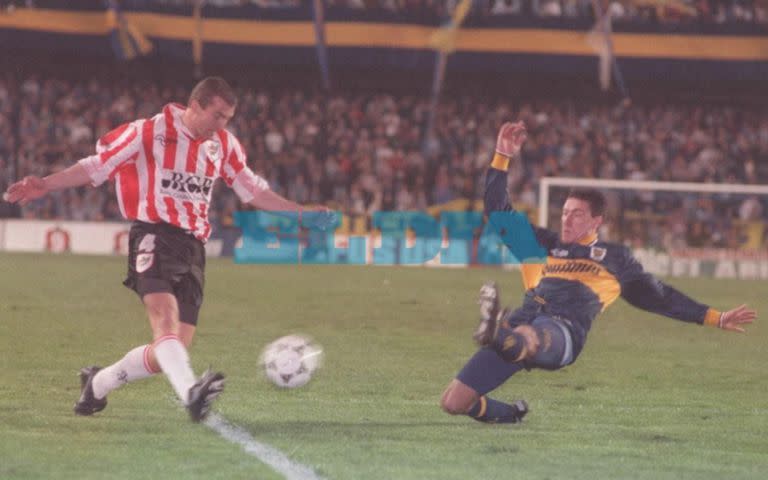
{"x": 144, "y": 262}
{"x": 185, "y": 186}
{"x": 597, "y": 254}
{"x": 559, "y": 252}
{"x": 571, "y": 267}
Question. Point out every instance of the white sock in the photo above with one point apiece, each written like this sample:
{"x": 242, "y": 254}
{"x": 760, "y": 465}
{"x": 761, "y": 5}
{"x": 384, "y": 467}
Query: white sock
{"x": 133, "y": 366}
{"x": 173, "y": 359}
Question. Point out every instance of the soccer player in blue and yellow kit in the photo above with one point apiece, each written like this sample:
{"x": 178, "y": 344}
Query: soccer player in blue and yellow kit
{"x": 579, "y": 278}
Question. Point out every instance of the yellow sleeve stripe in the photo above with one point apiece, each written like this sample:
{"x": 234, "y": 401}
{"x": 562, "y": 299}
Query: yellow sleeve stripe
{"x": 500, "y": 162}
{"x": 712, "y": 318}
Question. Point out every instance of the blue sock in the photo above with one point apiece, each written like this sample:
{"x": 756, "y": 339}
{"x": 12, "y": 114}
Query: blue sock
{"x": 486, "y": 371}
{"x": 488, "y": 410}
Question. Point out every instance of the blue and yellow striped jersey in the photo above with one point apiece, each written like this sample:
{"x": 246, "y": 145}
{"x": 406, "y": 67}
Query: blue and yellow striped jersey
{"x": 577, "y": 281}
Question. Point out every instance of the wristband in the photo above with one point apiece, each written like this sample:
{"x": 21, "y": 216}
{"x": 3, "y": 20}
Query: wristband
{"x": 500, "y": 162}
{"x": 713, "y": 318}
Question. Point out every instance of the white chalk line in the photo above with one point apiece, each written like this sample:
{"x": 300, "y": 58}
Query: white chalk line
{"x": 267, "y": 454}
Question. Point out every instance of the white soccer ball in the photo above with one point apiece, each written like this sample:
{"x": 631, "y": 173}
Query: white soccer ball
{"x": 290, "y": 361}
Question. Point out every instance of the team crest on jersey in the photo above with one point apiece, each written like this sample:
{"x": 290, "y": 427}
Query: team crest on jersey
{"x": 213, "y": 150}
{"x": 144, "y": 262}
{"x": 559, "y": 252}
{"x": 597, "y": 253}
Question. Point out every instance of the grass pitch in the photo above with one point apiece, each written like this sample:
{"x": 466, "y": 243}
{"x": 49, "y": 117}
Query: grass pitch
{"x": 649, "y": 398}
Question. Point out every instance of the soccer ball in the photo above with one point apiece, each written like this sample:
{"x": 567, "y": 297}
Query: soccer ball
{"x": 290, "y": 361}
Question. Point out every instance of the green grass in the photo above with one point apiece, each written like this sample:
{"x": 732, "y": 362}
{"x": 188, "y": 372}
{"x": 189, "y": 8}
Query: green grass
{"x": 649, "y": 398}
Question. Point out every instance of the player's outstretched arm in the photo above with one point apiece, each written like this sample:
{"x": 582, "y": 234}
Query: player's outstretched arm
{"x": 271, "y": 201}
{"x": 508, "y": 144}
{"x": 318, "y": 217}
{"x": 648, "y": 293}
{"x": 31, "y": 188}
{"x": 734, "y": 320}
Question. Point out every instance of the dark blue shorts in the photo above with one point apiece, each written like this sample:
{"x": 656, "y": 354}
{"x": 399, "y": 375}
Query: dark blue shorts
{"x": 486, "y": 370}
{"x": 555, "y": 344}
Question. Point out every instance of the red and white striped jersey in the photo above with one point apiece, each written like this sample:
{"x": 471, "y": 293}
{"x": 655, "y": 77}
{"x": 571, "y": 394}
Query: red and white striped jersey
{"x": 163, "y": 174}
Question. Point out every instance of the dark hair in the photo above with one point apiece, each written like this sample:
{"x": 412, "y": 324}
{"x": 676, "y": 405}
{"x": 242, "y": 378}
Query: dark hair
{"x": 594, "y": 198}
{"x": 210, "y": 87}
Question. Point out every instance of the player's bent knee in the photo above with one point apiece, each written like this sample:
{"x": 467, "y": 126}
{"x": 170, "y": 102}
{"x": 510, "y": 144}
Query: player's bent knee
{"x": 454, "y": 406}
{"x": 458, "y": 398}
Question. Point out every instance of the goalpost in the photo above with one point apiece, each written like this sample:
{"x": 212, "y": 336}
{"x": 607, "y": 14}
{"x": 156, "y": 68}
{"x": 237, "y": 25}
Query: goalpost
{"x": 647, "y": 185}
{"x": 692, "y": 262}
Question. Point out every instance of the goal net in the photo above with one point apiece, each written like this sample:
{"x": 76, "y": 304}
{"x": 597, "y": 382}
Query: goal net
{"x": 677, "y": 228}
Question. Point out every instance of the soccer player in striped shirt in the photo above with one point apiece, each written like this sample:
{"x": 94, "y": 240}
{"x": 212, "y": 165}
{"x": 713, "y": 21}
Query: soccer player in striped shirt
{"x": 579, "y": 277}
{"x": 164, "y": 169}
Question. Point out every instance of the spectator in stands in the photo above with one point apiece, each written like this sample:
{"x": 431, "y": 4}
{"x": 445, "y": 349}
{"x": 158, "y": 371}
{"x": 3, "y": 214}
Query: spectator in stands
{"x": 375, "y": 159}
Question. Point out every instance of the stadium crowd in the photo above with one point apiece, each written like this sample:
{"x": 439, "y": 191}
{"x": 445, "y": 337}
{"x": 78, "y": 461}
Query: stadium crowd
{"x": 369, "y": 155}
{"x": 636, "y": 11}
{"x": 646, "y": 11}
{"x": 707, "y": 11}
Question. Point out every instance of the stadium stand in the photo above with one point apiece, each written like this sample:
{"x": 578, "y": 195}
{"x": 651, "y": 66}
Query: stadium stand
{"x": 375, "y": 159}
{"x": 646, "y": 11}
{"x": 362, "y": 149}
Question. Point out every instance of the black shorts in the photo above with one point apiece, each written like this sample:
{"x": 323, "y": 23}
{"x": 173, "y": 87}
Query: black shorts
{"x": 164, "y": 258}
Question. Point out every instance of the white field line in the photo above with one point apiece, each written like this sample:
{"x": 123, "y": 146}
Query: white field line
{"x": 267, "y": 454}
